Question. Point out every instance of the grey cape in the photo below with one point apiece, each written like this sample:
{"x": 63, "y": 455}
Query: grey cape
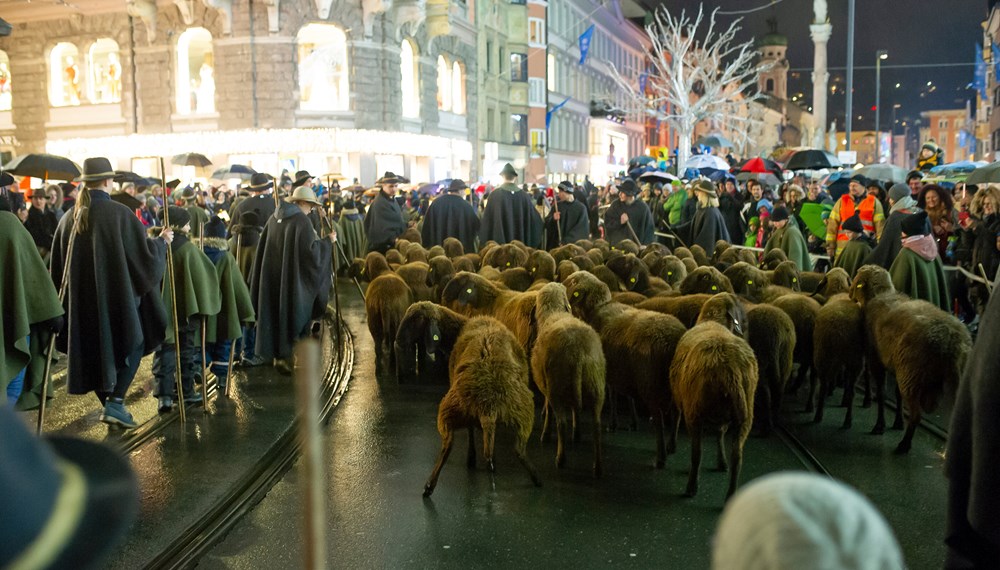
{"x": 573, "y": 220}
{"x": 888, "y": 247}
{"x": 450, "y": 215}
{"x": 639, "y": 217}
{"x": 510, "y": 215}
{"x": 383, "y": 223}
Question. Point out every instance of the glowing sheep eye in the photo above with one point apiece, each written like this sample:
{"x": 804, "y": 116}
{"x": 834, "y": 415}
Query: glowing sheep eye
{"x": 714, "y": 288}
{"x": 669, "y": 273}
{"x": 860, "y": 285}
{"x": 795, "y": 280}
{"x": 436, "y": 337}
{"x": 632, "y": 280}
{"x": 533, "y": 269}
{"x": 576, "y": 293}
{"x": 508, "y": 264}
{"x": 749, "y": 282}
{"x": 468, "y": 290}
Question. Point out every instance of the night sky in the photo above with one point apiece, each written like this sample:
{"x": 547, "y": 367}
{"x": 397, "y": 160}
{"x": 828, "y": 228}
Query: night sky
{"x": 912, "y": 31}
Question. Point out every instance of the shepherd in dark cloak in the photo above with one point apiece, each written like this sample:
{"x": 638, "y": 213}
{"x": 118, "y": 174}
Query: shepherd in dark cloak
{"x": 707, "y": 226}
{"x": 261, "y": 202}
{"x": 384, "y": 221}
{"x": 113, "y": 309}
{"x": 449, "y": 215}
{"x": 627, "y": 211}
{"x": 571, "y": 215}
{"x": 290, "y": 282}
{"x": 510, "y": 214}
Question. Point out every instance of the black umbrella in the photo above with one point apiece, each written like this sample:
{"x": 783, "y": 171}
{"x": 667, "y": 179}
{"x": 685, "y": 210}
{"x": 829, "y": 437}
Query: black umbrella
{"x": 812, "y": 160}
{"x": 44, "y": 166}
{"x": 191, "y": 159}
{"x": 985, "y": 174}
{"x": 234, "y": 171}
{"x": 123, "y": 176}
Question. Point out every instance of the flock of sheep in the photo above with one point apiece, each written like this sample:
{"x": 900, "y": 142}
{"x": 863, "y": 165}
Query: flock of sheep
{"x": 710, "y": 340}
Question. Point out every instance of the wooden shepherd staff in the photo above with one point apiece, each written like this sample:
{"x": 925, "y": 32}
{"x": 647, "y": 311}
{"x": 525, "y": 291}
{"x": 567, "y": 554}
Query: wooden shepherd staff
{"x": 173, "y": 304}
{"x": 307, "y": 356}
{"x": 558, "y": 221}
{"x": 204, "y": 333}
{"x": 232, "y": 342}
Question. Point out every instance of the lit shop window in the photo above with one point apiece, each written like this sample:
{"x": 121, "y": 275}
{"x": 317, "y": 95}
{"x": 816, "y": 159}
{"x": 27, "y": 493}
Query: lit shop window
{"x": 458, "y": 88}
{"x": 5, "y": 97}
{"x": 323, "y": 72}
{"x": 409, "y": 80}
{"x": 104, "y": 83}
{"x": 65, "y": 75}
{"x": 195, "y": 72}
{"x": 552, "y": 72}
{"x": 536, "y": 32}
{"x": 537, "y": 142}
{"x": 444, "y": 84}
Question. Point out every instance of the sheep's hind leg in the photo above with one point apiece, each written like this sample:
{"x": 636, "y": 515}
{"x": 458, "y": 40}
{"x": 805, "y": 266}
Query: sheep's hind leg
{"x": 546, "y": 410}
{"x": 849, "y": 402}
{"x": 694, "y": 432}
{"x": 522, "y": 456}
{"x": 661, "y": 449}
{"x": 489, "y": 424}
{"x": 720, "y": 461}
{"x": 824, "y": 382}
{"x": 898, "y": 423}
{"x": 911, "y": 426}
{"x": 447, "y": 438}
{"x": 562, "y": 427}
{"x": 736, "y": 461}
{"x": 879, "y": 380}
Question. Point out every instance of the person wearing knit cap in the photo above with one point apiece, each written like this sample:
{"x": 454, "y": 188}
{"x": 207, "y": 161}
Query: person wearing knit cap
{"x": 930, "y": 155}
{"x": 794, "y": 521}
{"x": 855, "y": 201}
{"x": 198, "y": 296}
{"x": 901, "y": 204}
{"x": 628, "y": 217}
{"x": 857, "y": 248}
{"x": 761, "y": 230}
{"x": 918, "y": 271}
{"x": 915, "y": 181}
{"x": 787, "y": 237}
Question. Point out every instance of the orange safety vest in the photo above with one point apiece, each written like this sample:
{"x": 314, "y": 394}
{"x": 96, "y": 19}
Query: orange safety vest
{"x": 867, "y": 209}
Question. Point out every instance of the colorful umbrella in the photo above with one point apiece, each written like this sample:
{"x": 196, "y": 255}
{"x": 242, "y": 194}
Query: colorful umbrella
{"x": 700, "y": 161}
{"x": 814, "y": 216}
{"x": 760, "y": 166}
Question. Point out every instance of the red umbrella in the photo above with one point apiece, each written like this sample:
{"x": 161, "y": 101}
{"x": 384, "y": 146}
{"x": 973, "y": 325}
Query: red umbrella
{"x": 761, "y": 166}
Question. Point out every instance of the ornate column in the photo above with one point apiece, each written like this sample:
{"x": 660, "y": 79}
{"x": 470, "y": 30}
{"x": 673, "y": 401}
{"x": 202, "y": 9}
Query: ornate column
{"x": 820, "y": 32}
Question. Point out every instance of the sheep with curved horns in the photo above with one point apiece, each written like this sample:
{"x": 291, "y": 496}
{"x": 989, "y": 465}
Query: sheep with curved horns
{"x": 638, "y": 346}
{"x": 568, "y": 366}
{"x": 488, "y": 372}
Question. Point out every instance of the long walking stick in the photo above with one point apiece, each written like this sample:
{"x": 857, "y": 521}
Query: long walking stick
{"x": 232, "y": 343}
{"x": 50, "y": 350}
{"x": 558, "y": 221}
{"x": 336, "y": 292}
{"x": 632, "y": 231}
{"x": 348, "y": 261}
{"x": 989, "y": 284}
{"x": 307, "y": 355}
{"x": 204, "y": 333}
{"x": 173, "y": 305}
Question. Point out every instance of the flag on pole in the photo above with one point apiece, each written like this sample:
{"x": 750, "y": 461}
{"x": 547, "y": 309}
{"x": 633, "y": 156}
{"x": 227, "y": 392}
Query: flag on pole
{"x": 979, "y": 77}
{"x": 550, "y": 112}
{"x": 585, "y": 39}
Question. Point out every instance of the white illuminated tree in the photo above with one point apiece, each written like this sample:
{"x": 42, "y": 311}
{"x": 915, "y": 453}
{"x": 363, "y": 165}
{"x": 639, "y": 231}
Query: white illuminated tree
{"x": 697, "y": 73}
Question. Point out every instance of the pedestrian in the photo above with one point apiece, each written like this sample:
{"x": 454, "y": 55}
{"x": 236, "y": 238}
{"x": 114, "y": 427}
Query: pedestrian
{"x": 350, "y": 226}
{"x": 114, "y": 313}
{"x": 15, "y": 200}
{"x": 787, "y": 237}
{"x": 793, "y": 196}
{"x": 762, "y": 231}
{"x": 196, "y": 290}
{"x": 917, "y": 271}
{"x": 291, "y": 278}
{"x": 54, "y": 203}
{"x": 707, "y": 225}
{"x": 940, "y": 208}
{"x": 674, "y": 203}
{"x": 197, "y": 211}
{"x": 857, "y": 249}
{"x": 628, "y": 218}
{"x": 915, "y": 180}
{"x": 384, "y": 221}
{"x": 854, "y": 201}
{"x": 449, "y": 215}
{"x": 901, "y": 204}
{"x": 41, "y": 223}
{"x": 979, "y": 232}
{"x": 877, "y": 188}
{"x": 260, "y": 202}
{"x": 731, "y": 207}
{"x": 243, "y": 246}
{"x": 510, "y": 214}
{"x": 570, "y": 215}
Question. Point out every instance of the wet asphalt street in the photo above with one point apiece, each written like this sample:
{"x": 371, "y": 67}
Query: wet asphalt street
{"x": 382, "y": 441}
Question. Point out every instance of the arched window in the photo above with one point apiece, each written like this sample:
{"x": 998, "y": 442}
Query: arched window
{"x": 323, "y": 73}
{"x": 410, "y": 80}
{"x": 104, "y": 80}
{"x": 444, "y": 84}
{"x": 458, "y": 88}
{"x": 195, "y": 72}
{"x": 65, "y": 75}
{"x": 5, "y": 96}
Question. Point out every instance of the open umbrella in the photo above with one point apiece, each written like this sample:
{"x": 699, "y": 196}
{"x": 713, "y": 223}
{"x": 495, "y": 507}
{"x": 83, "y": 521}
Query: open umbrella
{"x": 720, "y": 176}
{"x": 884, "y": 172}
{"x": 763, "y": 177}
{"x": 122, "y": 176}
{"x": 44, "y": 166}
{"x": 716, "y": 141}
{"x": 190, "y": 159}
{"x": 658, "y": 176}
{"x": 812, "y": 160}
{"x": 814, "y": 216}
{"x": 429, "y": 189}
{"x": 838, "y": 183}
{"x": 699, "y": 161}
{"x": 640, "y": 161}
{"x": 985, "y": 174}
{"x": 760, "y": 166}
{"x": 234, "y": 171}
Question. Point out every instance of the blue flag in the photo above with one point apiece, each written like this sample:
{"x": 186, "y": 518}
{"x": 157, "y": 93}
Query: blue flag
{"x": 550, "y": 112}
{"x": 979, "y": 78}
{"x": 585, "y": 38}
{"x": 643, "y": 79}
{"x": 996, "y": 60}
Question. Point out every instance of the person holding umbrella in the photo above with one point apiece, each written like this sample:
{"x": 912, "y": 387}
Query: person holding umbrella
{"x": 628, "y": 218}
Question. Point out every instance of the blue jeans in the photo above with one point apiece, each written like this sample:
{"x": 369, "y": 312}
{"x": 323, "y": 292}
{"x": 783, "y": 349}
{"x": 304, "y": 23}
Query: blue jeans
{"x": 165, "y": 362}
{"x": 218, "y": 355}
{"x": 14, "y": 388}
{"x": 248, "y": 342}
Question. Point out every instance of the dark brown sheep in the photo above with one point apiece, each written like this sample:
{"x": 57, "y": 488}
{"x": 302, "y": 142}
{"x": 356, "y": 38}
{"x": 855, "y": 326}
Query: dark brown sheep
{"x": 436, "y": 251}
{"x": 505, "y": 257}
{"x": 490, "y": 272}
{"x": 415, "y": 252}
{"x": 584, "y": 243}
{"x": 488, "y": 371}
{"x": 386, "y": 301}
{"x": 686, "y": 307}
{"x": 465, "y": 264}
{"x": 705, "y": 280}
{"x": 584, "y": 262}
{"x": 654, "y": 248}
{"x": 747, "y": 281}
{"x": 565, "y": 269}
{"x": 567, "y": 251}
{"x": 700, "y": 255}
{"x": 630, "y": 298}
{"x": 474, "y": 259}
{"x": 773, "y": 258}
{"x": 689, "y": 264}
{"x": 683, "y": 253}
{"x": 394, "y": 257}
{"x": 626, "y": 246}
{"x": 786, "y": 274}
{"x": 638, "y": 346}
{"x": 415, "y": 275}
{"x": 803, "y": 311}
{"x": 427, "y": 330}
{"x": 516, "y": 279}
{"x": 810, "y": 280}
{"x": 720, "y": 247}
{"x": 568, "y": 366}
{"x": 412, "y": 235}
{"x": 922, "y": 345}
{"x": 634, "y": 276}
{"x": 440, "y": 270}
{"x": 727, "y": 310}
{"x": 473, "y": 295}
{"x": 838, "y": 351}
{"x": 607, "y": 277}
{"x": 595, "y": 255}
{"x": 671, "y": 269}
{"x": 453, "y": 247}
{"x": 373, "y": 265}
{"x": 771, "y": 336}
{"x": 541, "y": 266}
{"x": 713, "y": 381}
{"x": 835, "y": 282}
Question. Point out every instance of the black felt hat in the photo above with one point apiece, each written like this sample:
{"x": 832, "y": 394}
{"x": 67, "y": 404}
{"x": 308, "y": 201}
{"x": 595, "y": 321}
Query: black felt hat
{"x": 457, "y": 185}
{"x": 508, "y": 171}
{"x": 628, "y": 187}
{"x": 301, "y": 177}
{"x": 916, "y": 224}
{"x": 853, "y": 224}
{"x": 96, "y": 168}
{"x": 259, "y": 182}
{"x": 250, "y": 218}
{"x": 6, "y": 179}
{"x": 389, "y": 178}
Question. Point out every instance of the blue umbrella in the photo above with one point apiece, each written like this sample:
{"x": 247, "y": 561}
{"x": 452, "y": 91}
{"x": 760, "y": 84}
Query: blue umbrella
{"x": 720, "y": 176}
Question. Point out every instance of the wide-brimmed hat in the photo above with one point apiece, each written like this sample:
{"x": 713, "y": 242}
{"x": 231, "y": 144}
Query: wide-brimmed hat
{"x": 97, "y": 168}
{"x": 301, "y": 177}
{"x": 705, "y": 186}
{"x": 457, "y": 185}
{"x": 389, "y": 178}
{"x": 508, "y": 171}
{"x": 304, "y": 194}
{"x": 131, "y": 202}
{"x": 628, "y": 187}
{"x": 187, "y": 193}
{"x": 173, "y": 183}
{"x": 68, "y": 501}
{"x": 260, "y": 182}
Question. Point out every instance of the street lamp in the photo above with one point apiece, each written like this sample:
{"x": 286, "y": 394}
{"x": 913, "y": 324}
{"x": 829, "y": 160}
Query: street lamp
{"x": 880, "y": 55}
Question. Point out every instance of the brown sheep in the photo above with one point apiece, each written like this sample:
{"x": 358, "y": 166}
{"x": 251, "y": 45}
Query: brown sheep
{"x": 415, "y": 275}
{"x": 584, "y": 243}
{"x": 484, "y": 250}
{"x": 584, "y": 262}
{"x": 634, "y": 275}
{"x": 596, "y": 256}
{"x": 416, "y": 252}
{"x": 838, "y": 351}
{"x": 810, "y": 280}
{"x": 464, "y": 264}
{"x": 705, "y": 280}
{"x": 689, "y": 264}
{"x": 803, "y": 311}
{"x": 773, "y": 258}
{"x": 473, "y": 295}
{"x": 607, "y": 277}
{"x": 412, "y": 235}
{"x": 638, "y": 346}
{"x": 630, "y": 298}
{"x": 490, "y": 272}
{"x": 565, "y": 269}
{"x": 541, "y": 266}
{"x": 713, "y": 381}
{"x": 505, "y": 256}
{"x": 771, "y": 336}
{"x": 747, "y": 281}
{"x": 602, "y": 244}
{"x": 516, "y": 279}
{"x": 394, "y": 257}
{"x": 427, "y": 330}
{"x": 488, "y": 372}
{"x": 440, "y": 270}
{"x": 727, "y": 310}
{"x": 567, "y": 251}
{"x": 568, "y": 366}
{"x": 683, "y": 253}
{"x": 626, "y": 246}
{"x": 720, "y": 247}
{"x": 654, "y": 248}
{"x": 922, "y": 345}
{"x": 386, "y": 301}
{"x": 786, "y": 274}
{"x": 835, "y": 282}
{"x": 700, "y": 255}
{"x": 401, "y": 244}
{"x": 474, "y": 259}
{"x": 436, "y": 251}
{"x": 671, "y": 269}
{"x": 686, "y": 307}
{"x": 367, "y": 269}
{"x": 453, "y": 247}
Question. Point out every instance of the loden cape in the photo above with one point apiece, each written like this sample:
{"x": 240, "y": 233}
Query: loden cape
{"x": 290, "y": 281}
{"x": 199, "y": 217}
{"x": 449, "y": 215}
{"x": 639, "y": 217}
{"x": 113, "y": 304}
{"x": 573, "y": 220}
{"x": 510, "y": 215}
{"x": 789, "y": 240}
{"x": 236, "y": 307}
{"x": 383, "y": 223}
{"x": 351, "y": 236}
{"x": 706, "y": 228}
{"x": 890, "y": 244}
{"x": 853, "y": 256}
{"x": 921, "y": 279}
{"x": 197, "y": 285}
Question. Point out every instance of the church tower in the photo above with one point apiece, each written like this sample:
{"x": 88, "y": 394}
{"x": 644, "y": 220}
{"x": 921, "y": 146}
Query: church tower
{"x": 772, "y": 47}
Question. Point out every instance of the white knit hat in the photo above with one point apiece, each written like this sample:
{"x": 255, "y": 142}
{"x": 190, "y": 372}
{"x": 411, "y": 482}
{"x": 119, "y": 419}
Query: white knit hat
{"x": 798, "y": 520}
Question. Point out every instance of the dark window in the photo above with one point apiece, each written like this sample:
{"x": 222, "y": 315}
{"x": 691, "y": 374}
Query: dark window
{"x": 519, "y": 129}
{"x": 518, "y": 67}
{"x": 489, "y": 57}
{"x": 519, "y": 2}
{"x": 769, "y": 86}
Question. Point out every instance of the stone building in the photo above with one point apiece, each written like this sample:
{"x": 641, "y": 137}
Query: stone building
{"x": 332, "y": 86}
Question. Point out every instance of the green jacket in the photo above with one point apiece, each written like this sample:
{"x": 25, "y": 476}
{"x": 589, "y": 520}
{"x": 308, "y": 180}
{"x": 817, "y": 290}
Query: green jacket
{"x": 199, "y": 217}
{"x": 236, "y": 306}
{"x": 921, "y": 279}
{"x": 853, "y": 256}
{"x": 673, "y": 205}
{"x": 789, "y": 239}
{"x": 198, "y": 285}
{"x": 351, "y": 235}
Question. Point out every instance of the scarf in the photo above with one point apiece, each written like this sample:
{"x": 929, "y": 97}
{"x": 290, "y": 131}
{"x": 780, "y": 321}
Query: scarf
{"x": 924, "y": 246}
{"x": 904, "y": 203}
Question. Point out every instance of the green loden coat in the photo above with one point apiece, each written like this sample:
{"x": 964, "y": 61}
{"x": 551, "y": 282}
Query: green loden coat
{"x": 790, "y": 240}
{"x": 351, "y": 235}
{"x": 198, "y": 285}
{"x": 853, "y": 256}
{"x": 236, "y": 306}
{"x": 921, "y": 279}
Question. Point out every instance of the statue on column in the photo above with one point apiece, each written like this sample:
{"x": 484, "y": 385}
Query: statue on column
{"x": 832, "y": 140}
{"x": 819, "y": 9}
